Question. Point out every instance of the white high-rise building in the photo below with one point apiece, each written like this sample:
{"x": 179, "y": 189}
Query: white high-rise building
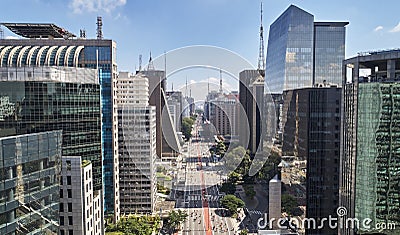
{"x": 80, "y": 204}
{"x": 136, "y": 144}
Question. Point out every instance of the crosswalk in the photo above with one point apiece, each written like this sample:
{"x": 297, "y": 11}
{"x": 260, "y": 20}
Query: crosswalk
{"x": 255, "y": 212}
{"x": 198, "y": 197}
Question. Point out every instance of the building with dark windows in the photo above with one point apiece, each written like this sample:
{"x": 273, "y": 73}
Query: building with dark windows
{"x": 370, "y": 157}
{"x": 175, "y": 102}
{"x": 251, "y": 98}
{"x": 46, "y": 45}
{"x": 312, "y": 133}
{"x": 29, "y": 177}
{"x": 168, "y": 145}
{"x": 302, "y": 52}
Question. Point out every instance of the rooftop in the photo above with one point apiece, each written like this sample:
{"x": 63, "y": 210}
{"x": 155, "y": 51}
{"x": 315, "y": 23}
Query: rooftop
{"x": 29, "y": 30}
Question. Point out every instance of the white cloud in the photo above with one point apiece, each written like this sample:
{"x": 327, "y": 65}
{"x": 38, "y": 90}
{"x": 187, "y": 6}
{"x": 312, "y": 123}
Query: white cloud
{"x": 80, "y": 6}
{"x": 396, "y": 28}
{"x": 380, "y": 27}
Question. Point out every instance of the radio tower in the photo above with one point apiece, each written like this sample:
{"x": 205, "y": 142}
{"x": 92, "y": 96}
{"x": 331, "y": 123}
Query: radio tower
{"x": 150, "y": 65}
{"x": 261, "y": 57}
{"x": 220, "y": 82}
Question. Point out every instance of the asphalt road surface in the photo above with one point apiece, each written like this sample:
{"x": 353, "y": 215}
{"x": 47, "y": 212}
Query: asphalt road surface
{"x": 199, "y": 195}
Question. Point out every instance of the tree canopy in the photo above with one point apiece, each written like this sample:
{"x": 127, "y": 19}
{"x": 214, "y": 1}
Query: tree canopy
{"x": 231, "y": 203}
{"x": 187, "y": 126}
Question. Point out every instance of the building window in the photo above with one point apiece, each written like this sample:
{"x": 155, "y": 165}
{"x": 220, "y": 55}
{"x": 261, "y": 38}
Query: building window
{"x": 68, "y": 180}
{"x": 70, "y": 222}
{"x": 69, "y": 207}
{"x": 61, "y": 207}
{"x": 61, "y": 180}
{"x": 70, "y": 232}
{"x": 69, "y": 193}
{"x": 61, "y": 193}
{"x": 61, "y": 220}
{"x": 62, "y": 232}
{"x": 68, "y": 165}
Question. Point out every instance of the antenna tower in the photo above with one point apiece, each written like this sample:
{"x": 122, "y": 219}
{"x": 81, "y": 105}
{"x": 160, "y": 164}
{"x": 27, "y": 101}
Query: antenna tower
{"x": 220, "y": 81}
{"x": 82, "y": 33}
{"x": 140, "y": 62}
{"x": 99, "y": 27}
{"x": 150, "y": 66}
{"x": 261, "y": 57}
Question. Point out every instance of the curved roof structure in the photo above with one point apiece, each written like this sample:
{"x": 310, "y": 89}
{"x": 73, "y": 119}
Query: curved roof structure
{"x": 20, "y": 56}
{"x": 28, "y": 30}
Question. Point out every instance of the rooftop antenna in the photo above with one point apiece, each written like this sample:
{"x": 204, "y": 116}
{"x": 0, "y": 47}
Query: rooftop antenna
{"x": 186, "y": 89}
{"x": 82, "y": 33}
{"x": 140, "y": 62}
{"x": 150, "y": 66}
{"x": 190, "y": 92}
{"x": 172, "y": 86}
{"x": 261, "y": 57}
{"x": 208, "y": 85}
{"x": 220, "y": 81}
{"x": 99, "y": 27}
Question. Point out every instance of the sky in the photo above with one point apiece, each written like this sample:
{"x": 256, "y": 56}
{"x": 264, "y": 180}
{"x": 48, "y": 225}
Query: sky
{"x": 158, "y": 26}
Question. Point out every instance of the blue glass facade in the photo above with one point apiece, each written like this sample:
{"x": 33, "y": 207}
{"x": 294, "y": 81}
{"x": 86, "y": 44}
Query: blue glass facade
{"x": 106, "y": 56}
{"x": 87, "y": 53}
{"x": 29, "y": 179}
{"x": 329, "y": 49}
{"x": 302, "y": 53}
{"x": 289, "y": 53}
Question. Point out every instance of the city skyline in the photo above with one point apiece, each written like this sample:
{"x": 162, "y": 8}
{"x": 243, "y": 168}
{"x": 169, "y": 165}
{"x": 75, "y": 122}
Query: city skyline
{"x": 158, "y": 26}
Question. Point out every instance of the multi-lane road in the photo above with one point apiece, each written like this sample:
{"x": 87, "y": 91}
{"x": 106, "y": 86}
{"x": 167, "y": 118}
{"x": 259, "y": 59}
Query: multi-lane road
{"x": 197, "y": 192}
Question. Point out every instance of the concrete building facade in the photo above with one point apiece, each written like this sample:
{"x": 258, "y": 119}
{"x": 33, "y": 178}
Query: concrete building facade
{"x": 80, "y": 205}
{"x": 137, "y": 145}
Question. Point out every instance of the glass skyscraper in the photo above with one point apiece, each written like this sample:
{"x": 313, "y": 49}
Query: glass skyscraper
{"x": 29, "y": 183}
{"x": 302, "y": 53}
{"x": 370, "y": 156}
{"x": 85, "y": 53}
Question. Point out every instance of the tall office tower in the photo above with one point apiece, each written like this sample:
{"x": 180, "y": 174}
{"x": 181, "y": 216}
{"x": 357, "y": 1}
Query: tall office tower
{"x": 274, "y": 201}
{"x": 137, "y": 144}
{"x": 175, "y": 105}
{"x": 80, "y": 204}
{"x": 302, "y": 52}
{"x": 168, "y": 145}
{"x": 50, "y": 45}
{"x": 30, "y": 173}
{"x": 370, "y": 160}
{"x": 223, "y": 113}
{"x": 251, "y": 96}
{"x": 312, "y": 133}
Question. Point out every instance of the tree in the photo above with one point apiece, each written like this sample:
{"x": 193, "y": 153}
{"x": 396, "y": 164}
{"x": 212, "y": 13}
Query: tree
{"x": 289, "y": 203}
{"x": 249, "y": 191}
{"x": 231, "y": 203}
{"x": 228, "y": 188}
{"x": 140, "y": 225}
{"x": 175, "y": 218}
{"x": 244, "y": 232}
{"x": 187, "y": 126}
